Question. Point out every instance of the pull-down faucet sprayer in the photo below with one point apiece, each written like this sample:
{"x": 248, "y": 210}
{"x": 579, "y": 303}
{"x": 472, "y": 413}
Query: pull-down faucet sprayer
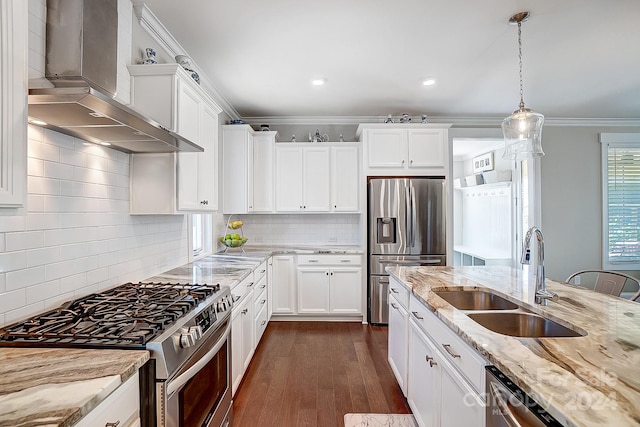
{"x": 542, "y": 294}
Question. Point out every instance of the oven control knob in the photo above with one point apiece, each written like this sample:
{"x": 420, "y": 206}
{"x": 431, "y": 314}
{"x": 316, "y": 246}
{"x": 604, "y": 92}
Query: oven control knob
{"x": 196, "y": 331}
{"x": 188, "y": 339}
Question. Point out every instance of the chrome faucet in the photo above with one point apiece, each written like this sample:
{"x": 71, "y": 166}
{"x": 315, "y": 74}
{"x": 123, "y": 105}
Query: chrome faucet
{"x": 542, "y": 294}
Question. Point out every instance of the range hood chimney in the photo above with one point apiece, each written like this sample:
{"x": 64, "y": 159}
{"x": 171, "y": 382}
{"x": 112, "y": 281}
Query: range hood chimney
{"x": 81, "y": 64}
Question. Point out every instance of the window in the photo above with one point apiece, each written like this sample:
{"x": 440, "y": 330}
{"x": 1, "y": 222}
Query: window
{"x": 621, "y": 201}
{"x": 201, "y": 237}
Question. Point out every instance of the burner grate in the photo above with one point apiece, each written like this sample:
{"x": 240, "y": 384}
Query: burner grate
{"x": 126, "y": 316}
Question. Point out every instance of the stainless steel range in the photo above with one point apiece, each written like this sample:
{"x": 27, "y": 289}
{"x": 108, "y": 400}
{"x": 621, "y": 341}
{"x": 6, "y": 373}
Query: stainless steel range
{"x": 187, "y": 381}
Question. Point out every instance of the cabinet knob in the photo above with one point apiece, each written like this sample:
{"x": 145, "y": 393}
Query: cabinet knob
{"x": 327, "y": 273}
{"x": 403, "y": 162}
{"x": 332, "y": 273}
{"x": 410, "y": 162}
{"x": 263, "y": 323}
{"x": 245, "y": 311}
{"x": 335, "y": 206}
{"x": 204, "y": 202}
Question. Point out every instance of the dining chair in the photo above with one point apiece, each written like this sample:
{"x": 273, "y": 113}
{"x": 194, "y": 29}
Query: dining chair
{"x": 608, "y": 282}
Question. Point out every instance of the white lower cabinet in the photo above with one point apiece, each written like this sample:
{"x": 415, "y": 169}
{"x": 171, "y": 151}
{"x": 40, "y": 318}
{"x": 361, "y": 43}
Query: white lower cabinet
{"x": 121, "y": 408}
{"x": 329, "y": 284}
{"x": 283, "y": 287}
{"x": 445, "y": 376}
{"x": 242, "y": 330}
{"x": 398, "y": 335}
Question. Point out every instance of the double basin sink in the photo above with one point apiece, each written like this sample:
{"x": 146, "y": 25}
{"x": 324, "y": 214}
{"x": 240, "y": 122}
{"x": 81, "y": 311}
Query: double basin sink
{"x": 503, "y": 316}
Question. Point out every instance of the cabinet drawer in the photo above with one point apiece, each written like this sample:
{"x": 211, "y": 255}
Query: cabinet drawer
{"x": 454, "y": 349}
{"x": 261, "y": 323}
{"x": 399, "y": 291}
{"x": 260, "y": 272}
{"x": 122, "y": 407}
{"x": 242, "y": 289}
{"x": 329, "y": 259}
{"x": 260, "y": 299}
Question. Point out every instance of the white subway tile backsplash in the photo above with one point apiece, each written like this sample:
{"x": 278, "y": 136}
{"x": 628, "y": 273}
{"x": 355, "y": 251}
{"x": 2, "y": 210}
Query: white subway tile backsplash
{"x": 24, "y": 240}
{"x": 43, "y": 150}
{"x": 25, "y": 277}
{"x": 42, "y": 221}
{"x": 35, "y": 167}
{"x": 13, "y": 300}
{"x": 22, "y": 312}
{"x": 10, "y": 261}
{"x": 42, "y": 291}
{"x": 58, "y": 170}
{"x": 38, "y": 185}
{"x": 43, "y": 256}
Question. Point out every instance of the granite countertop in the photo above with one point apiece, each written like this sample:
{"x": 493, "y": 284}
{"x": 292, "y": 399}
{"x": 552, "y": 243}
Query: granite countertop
{"x": 582, "y": 381}
{"x": 57, "y": 387}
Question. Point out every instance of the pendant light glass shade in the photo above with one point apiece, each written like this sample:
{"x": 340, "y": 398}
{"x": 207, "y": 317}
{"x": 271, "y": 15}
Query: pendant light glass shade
{"x": 522, "y": 130}
{"x": 523, "y": 134}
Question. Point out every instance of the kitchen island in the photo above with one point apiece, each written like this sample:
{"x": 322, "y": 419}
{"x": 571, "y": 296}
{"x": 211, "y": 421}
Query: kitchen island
{"x": 588, "y": 380}
{"x": 59, "y": 386}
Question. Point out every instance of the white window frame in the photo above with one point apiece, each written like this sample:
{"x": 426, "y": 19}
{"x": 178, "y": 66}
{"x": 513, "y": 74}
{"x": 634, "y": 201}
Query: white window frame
{"x": 613, "y": 140}
{"x": 202, "y": 225}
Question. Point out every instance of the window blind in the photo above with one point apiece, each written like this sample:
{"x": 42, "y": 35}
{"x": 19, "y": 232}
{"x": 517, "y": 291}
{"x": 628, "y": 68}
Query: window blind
{"x": 623, "y": 203}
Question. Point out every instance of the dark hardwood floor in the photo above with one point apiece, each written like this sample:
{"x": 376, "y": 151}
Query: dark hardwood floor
{"x": 309, "y": 374}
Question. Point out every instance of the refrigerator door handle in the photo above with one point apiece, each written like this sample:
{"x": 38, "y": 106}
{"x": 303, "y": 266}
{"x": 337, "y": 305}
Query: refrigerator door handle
{"x": 413, "y": 216}
{"x": 421, "y": 262}
{"x": 408, "y": 218}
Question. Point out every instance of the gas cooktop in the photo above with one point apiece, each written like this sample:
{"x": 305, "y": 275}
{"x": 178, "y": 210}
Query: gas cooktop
{"x": 127, "y": 316}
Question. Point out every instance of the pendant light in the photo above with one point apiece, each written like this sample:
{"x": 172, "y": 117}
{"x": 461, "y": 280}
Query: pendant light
{"x": 523, "y": 129}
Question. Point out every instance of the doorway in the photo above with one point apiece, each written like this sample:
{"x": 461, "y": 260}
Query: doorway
{"x": 493, "y": 205}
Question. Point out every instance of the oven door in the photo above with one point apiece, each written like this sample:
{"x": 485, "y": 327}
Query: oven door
{"x": 199, "y": 394}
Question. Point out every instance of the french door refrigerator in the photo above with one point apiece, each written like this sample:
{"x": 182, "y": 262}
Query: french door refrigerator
{"x": 406, "y": 221}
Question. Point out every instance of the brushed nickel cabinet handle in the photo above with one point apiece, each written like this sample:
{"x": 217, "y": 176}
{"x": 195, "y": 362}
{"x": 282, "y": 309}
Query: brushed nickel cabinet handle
{"x": 393, "y": 304}
{"x": 448, "y": 348}
{"x": 417, "y": 315}
{"x": 245, "y": 311}
{"x": 116, "y": 424}
{"x": 394, "y": 290}
{"x": 431, "y": 361}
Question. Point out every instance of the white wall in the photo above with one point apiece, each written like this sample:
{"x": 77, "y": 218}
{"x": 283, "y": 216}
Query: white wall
{"x": 572, "y": 198}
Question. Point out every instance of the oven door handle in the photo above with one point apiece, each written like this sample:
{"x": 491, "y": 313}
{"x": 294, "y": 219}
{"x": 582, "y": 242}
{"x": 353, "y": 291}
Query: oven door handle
{"x": 182, "y": 379}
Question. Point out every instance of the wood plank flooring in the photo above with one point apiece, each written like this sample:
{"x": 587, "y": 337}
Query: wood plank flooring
{"x": 309, "y": 374}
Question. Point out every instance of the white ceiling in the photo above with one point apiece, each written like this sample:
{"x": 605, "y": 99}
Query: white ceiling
{"x": 581, "y": 57}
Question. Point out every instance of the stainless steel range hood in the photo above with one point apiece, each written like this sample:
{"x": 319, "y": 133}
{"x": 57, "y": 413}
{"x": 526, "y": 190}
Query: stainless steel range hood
{"x": 81, "y": 64}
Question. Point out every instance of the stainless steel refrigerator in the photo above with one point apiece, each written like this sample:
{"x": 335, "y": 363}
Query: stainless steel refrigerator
{"x": 407, "y": 228}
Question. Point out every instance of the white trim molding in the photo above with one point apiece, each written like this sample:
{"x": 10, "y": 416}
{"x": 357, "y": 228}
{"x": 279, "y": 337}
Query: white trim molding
{"x": 152, "y": 25}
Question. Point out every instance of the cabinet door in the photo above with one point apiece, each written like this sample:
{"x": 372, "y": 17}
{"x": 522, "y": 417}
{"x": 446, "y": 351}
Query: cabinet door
{"x": 248, "y": 325}
{"x": 424, "y": 380}
{"x": 208, "y": 161}
{"x": 188, "y": 181}
{"x": 313, "y": 290}
{"x": 289, "y": 179}
{"x": 398, "y": 341}
{"x": 316, "y": 179}
{"x": 345, "y": 291}
{"x": 13, "y": 103}
{"x": 235, "y": 169}
{"x": 188, "y": 112}
{"x": 345, "y": 179}
{"x": 237, "y": 365}
{"x": 386, "y": 148}
{"x": 456, "y": 393}
{"x": 269, "y": 288}
{"x": 283, "y": 285}
{"x": 250, "y": 164}
{"x": 263, "y": 182}
{"x": 427, "y": 148}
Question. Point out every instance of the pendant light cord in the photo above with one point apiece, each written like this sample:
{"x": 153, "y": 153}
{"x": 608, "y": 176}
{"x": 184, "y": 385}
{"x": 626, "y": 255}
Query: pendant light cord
{"x": 520, "y": 60}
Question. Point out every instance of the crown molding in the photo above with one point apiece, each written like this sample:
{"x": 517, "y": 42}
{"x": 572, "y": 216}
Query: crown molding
{"x": 156, "y": 29}
{"x": 456, "y": 121}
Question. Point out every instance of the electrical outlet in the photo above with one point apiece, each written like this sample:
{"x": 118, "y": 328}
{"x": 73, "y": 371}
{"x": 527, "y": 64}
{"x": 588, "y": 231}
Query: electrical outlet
{"x": 576, "y": 280}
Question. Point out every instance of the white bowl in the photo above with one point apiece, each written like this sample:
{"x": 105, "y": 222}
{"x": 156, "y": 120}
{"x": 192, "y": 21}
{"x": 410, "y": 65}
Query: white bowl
{"x": 183, "y": 60}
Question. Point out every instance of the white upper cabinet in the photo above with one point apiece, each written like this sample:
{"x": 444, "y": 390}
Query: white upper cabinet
{"x": 408, "y": 149}
{"x": 13, "y": 103}
{"x": 263, "y": 171}
{"x": 247, "y": 169}
{"x": 175, "y": 183}
{"x": 345, "y": 178}
{"x": 289, "y": 186}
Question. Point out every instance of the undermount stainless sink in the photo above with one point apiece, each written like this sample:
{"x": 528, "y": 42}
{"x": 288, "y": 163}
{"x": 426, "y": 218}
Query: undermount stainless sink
{"x": 476, "y": 300}
{"x": 523, "y": 325}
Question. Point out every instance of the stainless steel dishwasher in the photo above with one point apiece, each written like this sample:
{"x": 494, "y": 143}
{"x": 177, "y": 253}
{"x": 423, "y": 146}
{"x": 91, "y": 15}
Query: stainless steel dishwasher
{"x": 509, "y": 406}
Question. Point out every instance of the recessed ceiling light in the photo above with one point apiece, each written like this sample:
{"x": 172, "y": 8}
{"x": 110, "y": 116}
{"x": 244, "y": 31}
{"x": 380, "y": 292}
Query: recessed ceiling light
{"x": 428, "y": 82}
{"x": 318, "y": 81}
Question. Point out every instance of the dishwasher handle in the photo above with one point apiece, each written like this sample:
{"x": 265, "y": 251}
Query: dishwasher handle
{"x": 503, "y": 405}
